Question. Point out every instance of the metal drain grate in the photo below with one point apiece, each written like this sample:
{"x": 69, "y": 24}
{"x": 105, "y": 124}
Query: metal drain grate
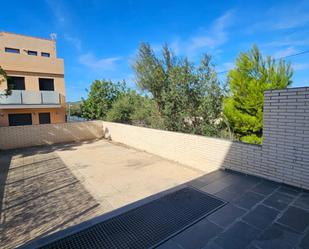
{"x": 145, "y": 226}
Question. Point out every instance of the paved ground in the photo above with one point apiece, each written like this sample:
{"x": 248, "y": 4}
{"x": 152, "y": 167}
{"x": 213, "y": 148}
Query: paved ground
{"x": 46, "y": 189}
{"x": 260, "y": 214}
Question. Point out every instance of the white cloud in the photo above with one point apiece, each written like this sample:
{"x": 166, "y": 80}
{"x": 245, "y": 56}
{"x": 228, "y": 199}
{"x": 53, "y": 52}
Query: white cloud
{"x": 300, "y": 41}
{"x": 289, "y": 15}
{"x": 76, "y": 42}
{"x": 57, "y": 9}
{"x": 215, "y": 37}
{"x": 225, "y": 66}
{"x": 300, "y": 66}
{"x": 89, "y": 60}
{"x": 285, "y": 52}
{"x": 208, "y": 38}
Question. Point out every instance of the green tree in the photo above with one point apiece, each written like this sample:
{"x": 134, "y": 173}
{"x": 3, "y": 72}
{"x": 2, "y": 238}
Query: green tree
{"x": 2, "y": 74}
{"x": 247, "y": 82}
{"x": 3, "y": 78}
{"x": 74, "y": 109}
{"x": 188, "y": 99}
{"x": 132, "y": 108}
{"x": 101, "y": 97}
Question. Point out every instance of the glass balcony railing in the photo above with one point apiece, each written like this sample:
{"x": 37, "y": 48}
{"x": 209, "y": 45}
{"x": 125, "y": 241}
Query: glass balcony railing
{"x": 26, "y": 97}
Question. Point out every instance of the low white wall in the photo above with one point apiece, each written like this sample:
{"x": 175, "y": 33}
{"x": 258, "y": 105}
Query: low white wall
{"x": 203, "y": 153}
{"x": 283, "y": 157}
{"x": 32, "y": 135}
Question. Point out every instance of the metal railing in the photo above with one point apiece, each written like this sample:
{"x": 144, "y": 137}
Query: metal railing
{"x": 28, "y": 97}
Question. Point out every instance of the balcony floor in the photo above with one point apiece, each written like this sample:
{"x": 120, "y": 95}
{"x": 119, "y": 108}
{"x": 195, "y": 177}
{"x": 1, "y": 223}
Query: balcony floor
{"x": 46, "y": 189}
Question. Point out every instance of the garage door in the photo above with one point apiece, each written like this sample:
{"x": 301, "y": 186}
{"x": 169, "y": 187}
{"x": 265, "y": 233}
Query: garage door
{"x": 20, "y": 119}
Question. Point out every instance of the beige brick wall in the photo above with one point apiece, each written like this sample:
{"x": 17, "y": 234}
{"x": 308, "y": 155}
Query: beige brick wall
{"x": 203, "y": 153}
{"x": 283, "y": 157}
{"x": 286, "y": 136}
{"x": 24, "y": 136}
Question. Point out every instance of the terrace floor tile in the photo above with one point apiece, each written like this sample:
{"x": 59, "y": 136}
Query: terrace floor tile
{"x": 278, "y": 200}
{"x": 295, "y": 218}
{"x": 197, "y": 235}
{"x": 226, "y": 215}
{"x": 303, "y": 201}
{"x": 261, "y": 216}
{"x": 248, "y": 200}
{"x": 304, "y": 244}
{"x": 238, "y": 236}
{"x": 265, "y": 187}
{"x": 277, "y": 236}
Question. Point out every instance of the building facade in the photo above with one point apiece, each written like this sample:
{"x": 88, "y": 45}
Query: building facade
{"x": 35, "y": 80}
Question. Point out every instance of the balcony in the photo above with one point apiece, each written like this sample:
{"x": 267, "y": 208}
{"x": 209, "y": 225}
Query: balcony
{"x": 30, "y": 99}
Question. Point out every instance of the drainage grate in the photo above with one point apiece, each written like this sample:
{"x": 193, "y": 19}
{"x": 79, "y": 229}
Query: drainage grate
{"x": 145, "y": 226}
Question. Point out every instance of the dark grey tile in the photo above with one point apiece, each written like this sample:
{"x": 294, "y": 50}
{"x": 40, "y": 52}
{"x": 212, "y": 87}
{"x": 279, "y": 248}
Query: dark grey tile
{"x": 265, "y": 187}
{"x": 303, "y": 201}
{"x": 261, "y": 216}
{"x": 295, "y": 218}
{"x": 239, "y": 236}
{"x": 212, "y": 245}
{"x": 247, "y": 182}
{"x": 219, "y": 185}
{"x": 169, "y": 245}
{"x": 196, "y": 183}
{"x": 197, "y": 235}
{"x": 290, "y": 190}
{"x": 304, "y": 244}
{"x": 278, "y": 200}
{"x": 215, "y": 187}
{"x": 277, "y": 236}
{"x": 228, "y": 195}
{"x": 226, "y": 215}
{"x": 252, "y": 247}
{"x": 213, "y": 176}
{"x": 240, "y": 186}
{"x": 248, "y": 200}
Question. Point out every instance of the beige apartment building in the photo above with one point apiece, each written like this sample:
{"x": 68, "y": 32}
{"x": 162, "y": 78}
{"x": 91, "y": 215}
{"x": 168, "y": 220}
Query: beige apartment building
{"x": 35, "y": 78}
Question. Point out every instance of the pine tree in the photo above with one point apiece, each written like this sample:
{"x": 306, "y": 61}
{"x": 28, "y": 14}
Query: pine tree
{"x": 247, "y": 82}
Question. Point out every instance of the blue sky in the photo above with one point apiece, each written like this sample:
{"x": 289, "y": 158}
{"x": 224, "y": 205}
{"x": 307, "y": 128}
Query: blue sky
{"x": 99, "y": 39}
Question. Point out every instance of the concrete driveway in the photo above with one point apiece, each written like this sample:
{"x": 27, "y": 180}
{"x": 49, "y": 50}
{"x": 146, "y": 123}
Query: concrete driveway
{"x": 45, "y": 189}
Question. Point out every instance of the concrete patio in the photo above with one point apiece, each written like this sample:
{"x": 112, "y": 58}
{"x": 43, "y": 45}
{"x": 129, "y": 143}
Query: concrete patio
{"x": 49, "y": 188}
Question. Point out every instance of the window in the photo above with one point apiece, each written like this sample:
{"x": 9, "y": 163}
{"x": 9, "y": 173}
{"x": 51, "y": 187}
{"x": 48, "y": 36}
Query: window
{"x": 16, "y": 83}
{"x": 44, "y": 118}
{"x": 20, "y": 119}
{"x": 35, "y": 53}
{"x": 12, "y": 50}
{"x": 45, "y": 54}
{"x": 46, "y": 84}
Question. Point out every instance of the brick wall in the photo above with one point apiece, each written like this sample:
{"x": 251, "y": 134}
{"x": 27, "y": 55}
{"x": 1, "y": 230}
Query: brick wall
{"x": 33, "y": 135}
{"x": 283, "y": 157}
{"x": 286, "y": 136}
{"x": 285, "y": 149}
{"x": 203, "y": 153}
